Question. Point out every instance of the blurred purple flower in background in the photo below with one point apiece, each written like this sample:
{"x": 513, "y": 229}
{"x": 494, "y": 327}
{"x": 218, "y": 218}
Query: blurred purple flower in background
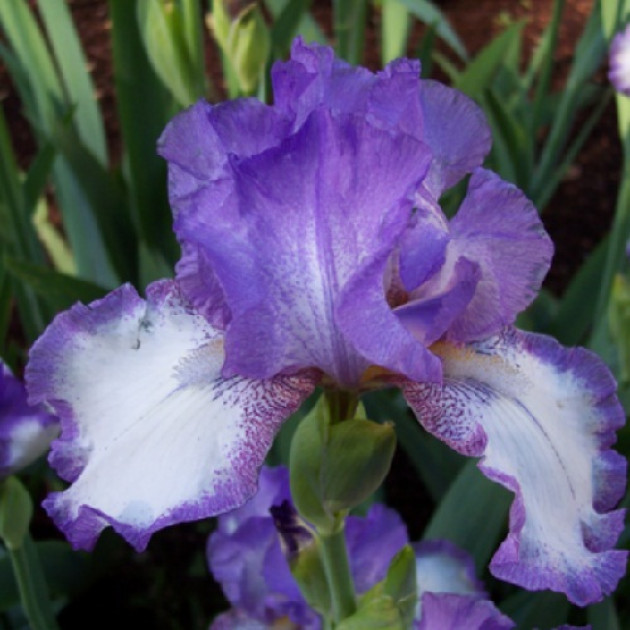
{"x": 246, "y": 556}
{"x": 315, "y": 251}
{"x": 25, "y": 431}
{"x": 619, "y": 62}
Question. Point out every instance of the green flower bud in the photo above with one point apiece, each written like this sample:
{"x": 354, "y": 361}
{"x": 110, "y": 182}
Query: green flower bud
{"x": 242, "y": 34}
{"x": 337, "y": 466}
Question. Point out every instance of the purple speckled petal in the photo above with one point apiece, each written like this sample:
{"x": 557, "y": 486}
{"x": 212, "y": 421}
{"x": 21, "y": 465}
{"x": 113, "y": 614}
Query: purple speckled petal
{"x": 619, "y": 70}
{"x": 372, "y": 543}
{"x": 543, "y": 418}
{"x": 313, "y": 77}
{"x": 25, "y": 431}
{"x": 497, "y": 228}
{"x": 151, "y": 433}
{"x": 456, "y": 130}
{"x": 448, "y": 611}
{"x": 309, "y": 226}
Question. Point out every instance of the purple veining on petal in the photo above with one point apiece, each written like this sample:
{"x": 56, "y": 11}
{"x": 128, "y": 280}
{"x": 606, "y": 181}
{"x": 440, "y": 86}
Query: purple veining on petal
{"x": 448, "y": 611}
{"x": 306, "y": 220}
{"x": 25, "y": 431}
{"x": 543, "y": 418}
{"x": 151, "y": 434}
{"x": 619, "y": 70}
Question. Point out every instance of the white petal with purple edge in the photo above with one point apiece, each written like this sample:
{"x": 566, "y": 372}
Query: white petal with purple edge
{"x": 543, "y": 419}
{"x": 152, "y": 435}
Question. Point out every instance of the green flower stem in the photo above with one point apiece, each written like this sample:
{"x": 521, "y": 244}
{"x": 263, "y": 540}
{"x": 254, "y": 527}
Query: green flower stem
{"x": 32, "y": 586}
{"x": 337, "y": 569}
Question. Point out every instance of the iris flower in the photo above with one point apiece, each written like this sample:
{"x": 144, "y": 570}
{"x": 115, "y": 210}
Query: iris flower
{"x": 25, "y": 432}
{"x": 245, "y": 555}
{"x": 619, "y": 62}
{"x": 315, "y": 252}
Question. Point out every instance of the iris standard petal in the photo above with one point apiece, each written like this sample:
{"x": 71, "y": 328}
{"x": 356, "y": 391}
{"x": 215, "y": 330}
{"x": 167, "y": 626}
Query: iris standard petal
{"x": 543, "y": 420}
{"x": 456, "y": 130}
{"x": 152, "y": 435}
{"x": 498, "y": 229}
{"x": 303, "y": 239}
{"x": 314, "y": 78}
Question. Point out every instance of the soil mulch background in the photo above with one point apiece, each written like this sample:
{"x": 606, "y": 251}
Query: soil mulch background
{"x": 155, "y": 588}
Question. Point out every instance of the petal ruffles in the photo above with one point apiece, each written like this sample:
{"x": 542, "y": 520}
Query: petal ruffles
{"x": 299, "y": 247}
{"x": 543, "y": 420}
{"x": 152, "y": 435}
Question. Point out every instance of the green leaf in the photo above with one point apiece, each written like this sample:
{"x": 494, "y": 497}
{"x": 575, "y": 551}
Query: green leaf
{"x": 589, "y": 54}
{"x": 577, "y": 307}
{"x": 472, "y": 514}
{"x": 534, "y": 610}
{"x": 46, "y": 103}
{"x": 307, "y": 28}
{"x": 166, "y": 32}
{"x": 16, "y": 510}
{"x": 308, "y": 571}
{"x": 614, "y": 14}
{"x": 286, "y": 25}
{"x": 603, "y": 616}
{"x": 56, "y": 246}
{"x": 430, "y": 15}
{"x": 515, "y": 139}
{"x": 394, "y": 30}
{"x": 106, "y": 200}
{"x": 479, "y": 73}
{"x": 59, "y": 290}
{"x": 349, "y": 17}
{"x": 390, "y": 604}
{"x": 144, "y": 108}
{"x": 76, "y": 79}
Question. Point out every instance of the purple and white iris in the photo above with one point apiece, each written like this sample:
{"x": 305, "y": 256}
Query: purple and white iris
{"x": 246, "y": 557}
{"x": 25, "y": 432}
{"x": 619, "y": 62}
{"x": 315, "y": 252}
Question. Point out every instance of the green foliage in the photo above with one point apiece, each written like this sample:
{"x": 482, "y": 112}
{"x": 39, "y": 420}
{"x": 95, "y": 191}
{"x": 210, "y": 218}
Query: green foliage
{"x": 391, "y": 603}
{"x": 16, "y": 509}
{"x": 115, "y": 225}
